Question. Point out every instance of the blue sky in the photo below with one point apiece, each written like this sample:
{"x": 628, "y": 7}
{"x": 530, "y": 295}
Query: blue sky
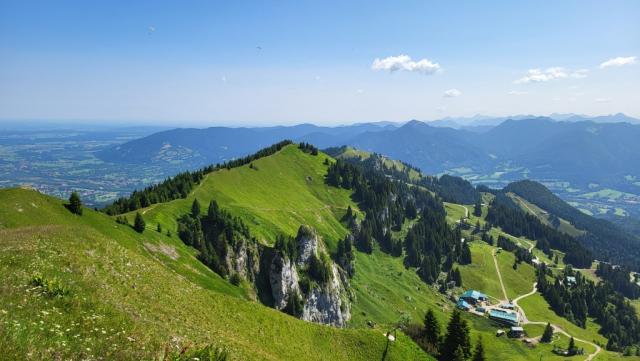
{"x": 245, "y": 62}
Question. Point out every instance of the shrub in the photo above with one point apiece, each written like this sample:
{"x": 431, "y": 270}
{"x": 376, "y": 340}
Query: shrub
{"x": 50, "y": 287}
{"x": 235, "y": 279}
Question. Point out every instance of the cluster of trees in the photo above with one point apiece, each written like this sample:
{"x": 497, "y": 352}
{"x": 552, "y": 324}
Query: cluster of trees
{"x": 432, "y": 246}
{"x": 522, "y": 255}
{"x": 181, "y": 184}
{"x": 618, "y": 277}
{"x": 212, "y": 234}
{"x": 577, "y": 300}
{"x": 504, "y": 213}
{"x": 345, "y": 255}
{"x": 387, "y": 203}
{"x": 308, "y": 148}
{"x": 452, "y": 189}
{"x": 454, "y": 345}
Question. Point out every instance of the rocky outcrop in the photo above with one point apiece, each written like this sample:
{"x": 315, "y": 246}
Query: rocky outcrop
{"x": 243, "y": 258}
{"x": 307, "y": 244}
{"x": 328, "y": 304}
{"x": 324, "y": 300}
{"x": 283, "y": 278}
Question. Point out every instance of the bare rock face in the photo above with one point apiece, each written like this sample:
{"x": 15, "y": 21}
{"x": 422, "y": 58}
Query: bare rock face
{"x": 328, "y": 304}
{"x": 283, "y": 277}
{"x": 243, "y": 259}
{"x": 327, "y": 301}
{"x": 307, "y": 242}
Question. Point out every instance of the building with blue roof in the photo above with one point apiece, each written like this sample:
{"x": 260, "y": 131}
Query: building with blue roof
{"x": 473, "y": 297}
{"x": 509, "y": 318}
{"x": 463, "y": 305}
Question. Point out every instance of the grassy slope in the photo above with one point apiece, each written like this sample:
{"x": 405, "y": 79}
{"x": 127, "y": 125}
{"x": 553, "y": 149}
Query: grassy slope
{"x": 285, "y": 191}
{"x": 543, "y": 216}
{"x": 130, "y": 303}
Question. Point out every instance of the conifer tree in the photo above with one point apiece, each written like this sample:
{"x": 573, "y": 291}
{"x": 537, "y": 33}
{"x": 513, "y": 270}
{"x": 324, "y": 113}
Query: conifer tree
{"x": 547, "y": 335}
{"x": 195, "y": 208}
{"x": 478, "y": 353}
{"x": 572, "y": 347}
{"x": 457, "y": 277}
{"x": 159, "y": 228}
{"x": 457, "y": 337}
{"x": 75, "y": 204}
{"x": 431, "y": 329}
{"x": 458, "y": 354}
{"x": 138, "y": 223}
{"x": 477, "y": 209}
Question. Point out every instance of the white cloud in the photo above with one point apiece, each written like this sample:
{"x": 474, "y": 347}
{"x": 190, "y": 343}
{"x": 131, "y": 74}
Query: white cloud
{"x": 404, "y": 62}
{"x": 452, "y": 93}
{"x": 517, "y": 92}
{"x": 540, "y": 75}
{"x": 619, "y": 61}
{"x": 360, "y": 91}
{"x": 602, "y": 100}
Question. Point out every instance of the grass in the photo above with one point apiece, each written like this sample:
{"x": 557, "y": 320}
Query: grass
{"x": 537, "y": 309}
{"x": 481, "y": 273}
{"x": 284, "y": 191}
{"x": 543, "y": 216}
{"x": 126, "y": 302}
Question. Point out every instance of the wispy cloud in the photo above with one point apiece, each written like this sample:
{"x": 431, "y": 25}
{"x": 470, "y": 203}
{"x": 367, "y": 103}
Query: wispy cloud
{"x": 404, "y": 62}
{"x": 517, "y": 92}
{"x": 602, "y": 100}
{"x": 452, "y": 93}
{"x": 544, "y": 75}
{"x": 619, "y": 61}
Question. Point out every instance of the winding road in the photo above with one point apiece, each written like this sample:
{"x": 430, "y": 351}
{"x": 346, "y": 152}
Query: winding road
{"x": 525, "y": 320}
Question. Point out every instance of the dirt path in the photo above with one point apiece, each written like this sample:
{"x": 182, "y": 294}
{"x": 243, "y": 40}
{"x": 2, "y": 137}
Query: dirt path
{"x": 466, "y": 211}
{"x": 556, "y": 328}
{"x": 495, "y": 261}
{"x": 150, "y": 208}
{"x": 515, "y": 303}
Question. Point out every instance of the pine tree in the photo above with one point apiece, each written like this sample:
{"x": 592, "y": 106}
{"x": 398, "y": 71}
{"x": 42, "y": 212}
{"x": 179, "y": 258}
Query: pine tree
{"x": 547, "y": 335}
{"x": 478, "y": 354}
{"x": 159, "y": 228}
{"x": 572, "y": 347}
{"x": 457, "y": 277}
{"x": 457, "y": 337}
{"x": 431, "y": 328}
{"x": 195, "y": 208}
{"x": 138, "y": 223}
{"x": 458, "y": 354}
{"x": 75, "y": 204}
{"x": 477, "y": 209}
{"x": 349, "y": 213}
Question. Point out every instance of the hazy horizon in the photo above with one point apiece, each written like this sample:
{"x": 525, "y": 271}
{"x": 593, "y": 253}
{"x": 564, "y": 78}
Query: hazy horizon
{"x": 257, "y": 64}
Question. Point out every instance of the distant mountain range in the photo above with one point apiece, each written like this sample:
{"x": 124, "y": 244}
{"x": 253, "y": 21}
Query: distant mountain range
{"x": 573, "y": 149}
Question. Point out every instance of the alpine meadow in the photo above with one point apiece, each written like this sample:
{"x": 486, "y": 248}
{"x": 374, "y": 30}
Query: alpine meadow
{"x": 319, "y": 181}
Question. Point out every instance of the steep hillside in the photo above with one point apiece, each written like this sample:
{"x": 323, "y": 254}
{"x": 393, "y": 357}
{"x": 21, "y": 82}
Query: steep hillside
{"x": 84, "y": 286}
{"x": 602, "y": 237}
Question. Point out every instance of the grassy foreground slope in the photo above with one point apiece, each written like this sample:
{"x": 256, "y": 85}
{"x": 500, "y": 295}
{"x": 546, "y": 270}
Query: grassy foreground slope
{"x": 125, "y": 300}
